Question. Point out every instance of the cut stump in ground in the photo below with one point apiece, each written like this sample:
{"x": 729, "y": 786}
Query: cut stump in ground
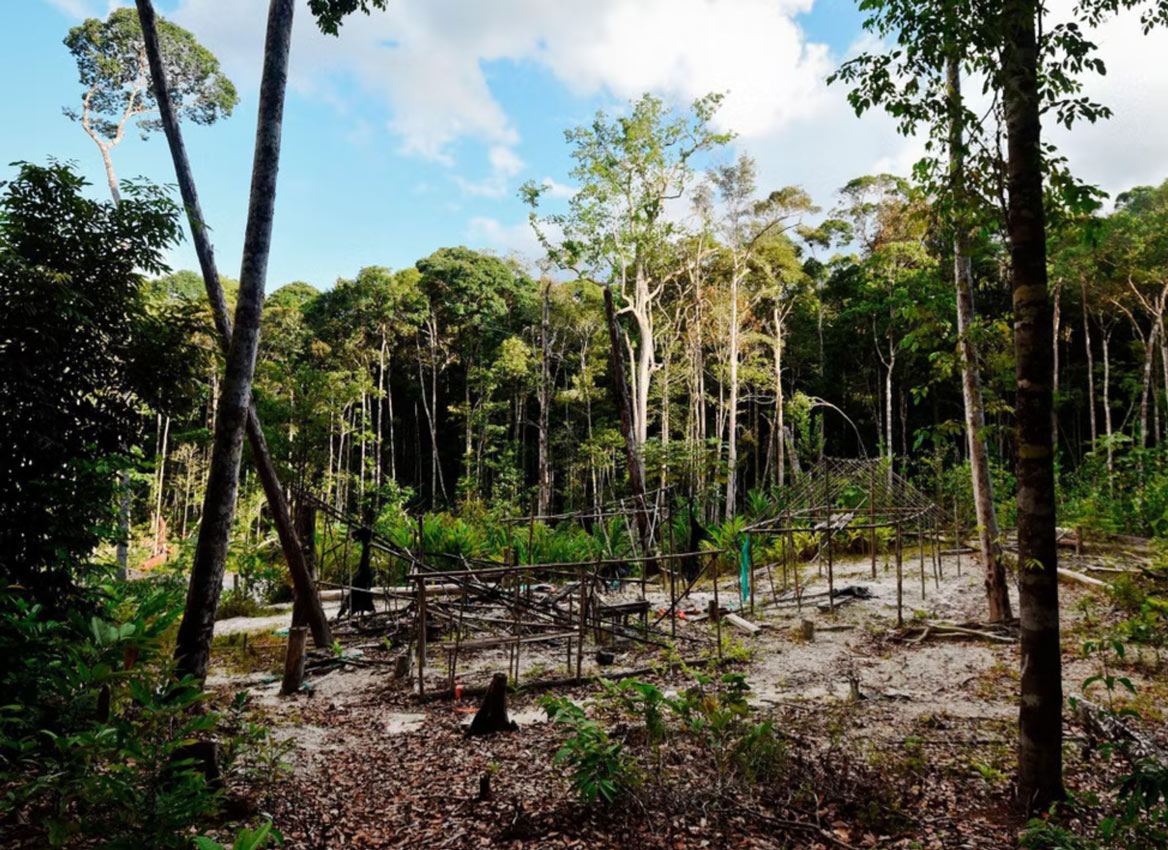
{"x": 492, "y": 715}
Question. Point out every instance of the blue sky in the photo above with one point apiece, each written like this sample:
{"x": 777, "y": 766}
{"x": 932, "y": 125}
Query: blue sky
{"x": 414, "y": 129}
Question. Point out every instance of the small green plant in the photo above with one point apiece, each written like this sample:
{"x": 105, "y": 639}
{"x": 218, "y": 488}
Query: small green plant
{"x": 247, "y": 839}
{"x": 600, "y": 769}
{"x": 1138, "y": 818}
{"x": 1107, "y": 653}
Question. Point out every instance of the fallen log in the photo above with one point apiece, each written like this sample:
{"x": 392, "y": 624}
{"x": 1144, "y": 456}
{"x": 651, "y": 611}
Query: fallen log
{"x": 1079, "y": 578}
{"x": 741, "y": 624}
{"x": 1098, "y": 722}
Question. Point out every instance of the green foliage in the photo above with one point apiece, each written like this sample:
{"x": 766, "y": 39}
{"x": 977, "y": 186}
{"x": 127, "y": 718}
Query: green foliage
{"x": 97, "y": 723}
{"x": 600, "y": 769}
{"x": 712, "y": 714}
{"x": 115, "y": 79}
{"x": 247, "y": 839}
{"x": 80, "y": 352}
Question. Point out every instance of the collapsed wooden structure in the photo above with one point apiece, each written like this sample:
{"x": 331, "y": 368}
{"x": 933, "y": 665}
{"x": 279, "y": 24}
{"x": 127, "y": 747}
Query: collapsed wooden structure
{"x": 438, "y": 605}
{"x": 849, "y": 495}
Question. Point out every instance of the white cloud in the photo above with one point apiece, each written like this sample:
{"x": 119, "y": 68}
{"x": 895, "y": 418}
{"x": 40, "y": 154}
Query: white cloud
{"x": 1131, "y": 148}
{"x": 425, "y": 59}
{"x": 428, "y": 62}
{"x": 517, "y": 240}
{"x": 504, "y": 163}
{"x": 555, "y": 189}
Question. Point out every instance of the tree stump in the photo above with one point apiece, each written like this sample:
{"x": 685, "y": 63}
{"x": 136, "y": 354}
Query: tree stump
{"x": 401, "y": 666}
{"x": 492, "y": 715}
{"x": 808, "y": 629}
{"x": 294, "y": 660}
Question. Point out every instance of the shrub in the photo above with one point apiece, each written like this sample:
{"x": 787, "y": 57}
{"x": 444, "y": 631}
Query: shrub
{"x": 600, "y": 768}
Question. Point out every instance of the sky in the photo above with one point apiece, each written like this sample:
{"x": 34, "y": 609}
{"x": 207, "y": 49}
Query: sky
{"x": 414, "y": 128}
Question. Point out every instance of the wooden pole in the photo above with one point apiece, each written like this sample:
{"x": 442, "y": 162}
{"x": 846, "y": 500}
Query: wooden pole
{"x": 899, "y": 580}
{"x": 936, "y": 552}
{"x": 583, "y": 613}
{"x": 872, "y": 514}
{"x": 957, "y": 535}
{"x": 830, "y": 569}
{"x": 717, "y": 613}
{"x": 921, "y": 542}
{"x": 672, "y": 576}
{"x": 294, "y": 660}
{"x": 421, "y": 582}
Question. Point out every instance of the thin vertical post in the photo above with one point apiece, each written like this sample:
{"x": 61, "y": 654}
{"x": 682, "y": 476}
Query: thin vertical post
{"x": 921, "y": 542}
{"x": 794, "y": 563}
{"x": 750, "y": 571}
{"x": 899, "y": 580}
{"x": 957, "y": 535}
{"x": 717, "y": 609}
{"x": 421, "y": 582}
{"x": 936, "y": 552}
{"x": 830, "y": 569}
{"x": 672, "y": 562}
{"x": 580, "y": 639}
{"x": 872, "y": 517}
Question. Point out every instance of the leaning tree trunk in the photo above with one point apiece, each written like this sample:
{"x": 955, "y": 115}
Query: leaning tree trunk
{"x": 997, "y": 590}
{"x": 302, "y": 585}
{"x": 1040, "y": 731}
{"x": 193, "y": 643}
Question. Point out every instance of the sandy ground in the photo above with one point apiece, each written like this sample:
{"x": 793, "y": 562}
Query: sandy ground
{"x": 783, "y": 669}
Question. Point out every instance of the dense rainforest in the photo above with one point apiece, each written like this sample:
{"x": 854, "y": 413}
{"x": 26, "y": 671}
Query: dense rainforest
{"x": 622, "y": 447}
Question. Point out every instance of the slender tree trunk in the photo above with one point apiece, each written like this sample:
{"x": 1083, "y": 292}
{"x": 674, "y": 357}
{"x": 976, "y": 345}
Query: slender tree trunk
{"x": 545, "y": 402}
{"x": 732, "y": 410}
{"x": 1163, "y": 353}
{"x": 110, "y": 177}
{"x": 302, "y": 584}
{"x": 1107, "y": 405}
{"x": 380, "y": 440}
{"x": 997, "y": 590}
{"x": 193, "y": 643}
{"x": 1056, "y": 323}
{"x": 1091, "y": 367}
{"x": 389, "y": 415}
{"x": 1146, "y": 382}
{"x": 780, "y": 454}
{"x": 157, "y": 524}
{"x": 888, "y": 408}
{"x": 1040, "y": 730}
{"x": 632, "y": 449}
{"x": 126, "y": 491}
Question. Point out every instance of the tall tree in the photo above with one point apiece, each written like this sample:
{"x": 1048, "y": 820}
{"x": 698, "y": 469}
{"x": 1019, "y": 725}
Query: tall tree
{"x": 1040, "y": 725}
{"x": 746, "y": 221}
{"x": 997, "y": 591}
{"x": 115, "y": 77}
{"x": 617, "y": 229}
{"x": 193, "y": 644}
{"x": 160, "y": 89}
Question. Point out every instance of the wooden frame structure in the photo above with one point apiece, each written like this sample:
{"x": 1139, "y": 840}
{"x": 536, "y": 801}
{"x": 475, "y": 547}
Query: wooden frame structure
{"x": 853, "y": 494}
{"x": 453, "y": 604}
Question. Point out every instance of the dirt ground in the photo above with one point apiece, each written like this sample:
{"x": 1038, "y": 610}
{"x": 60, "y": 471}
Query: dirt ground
{"x": 375, "y": 766}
